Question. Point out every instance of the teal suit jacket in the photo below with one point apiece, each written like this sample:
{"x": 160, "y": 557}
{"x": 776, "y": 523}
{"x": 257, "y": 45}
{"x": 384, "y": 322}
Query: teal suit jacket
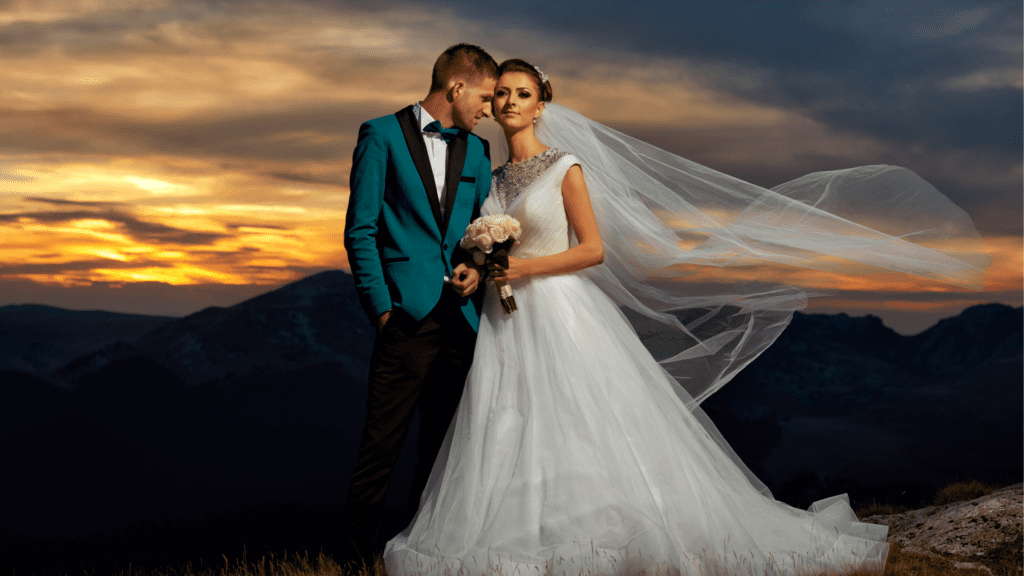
{"x": 400, "y": 244}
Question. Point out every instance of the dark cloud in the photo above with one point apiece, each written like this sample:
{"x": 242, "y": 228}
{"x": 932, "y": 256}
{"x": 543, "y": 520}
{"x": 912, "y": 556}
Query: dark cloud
{"x": 139, "y": 230}
{"x": 332, "y": 179}
{"x": 928, "y": 82}
{"x": 256, "y": 136}
{"x": 995, "y": 210}
{"x": 108, "y": 31}
{"x": 259, "y": 135}
{"x": 883, "y": 70}
{"x": 909, "y": 76}
{"x": 986, "y": 120}
{"x": 878, "y": 70}
{"x": 77, "y": 266}
{"x": 988, "y": 187}
{"x": 162, "y": 233}
{"x": 60, "y": 202}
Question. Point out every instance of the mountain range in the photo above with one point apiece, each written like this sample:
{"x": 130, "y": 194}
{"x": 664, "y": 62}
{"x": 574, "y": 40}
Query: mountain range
{"x": 149, "y": 440}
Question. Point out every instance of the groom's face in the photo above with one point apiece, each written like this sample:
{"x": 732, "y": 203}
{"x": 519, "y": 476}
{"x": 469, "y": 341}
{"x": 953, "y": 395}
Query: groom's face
{"x": 472, "y": 102}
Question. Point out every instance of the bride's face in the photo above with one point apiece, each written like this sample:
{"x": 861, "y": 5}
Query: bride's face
{"x": 516, "y": 100}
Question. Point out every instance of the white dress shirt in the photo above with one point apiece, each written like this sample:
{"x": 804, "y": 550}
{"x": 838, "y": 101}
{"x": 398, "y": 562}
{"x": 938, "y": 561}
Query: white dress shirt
{"x": 437, "y": 151}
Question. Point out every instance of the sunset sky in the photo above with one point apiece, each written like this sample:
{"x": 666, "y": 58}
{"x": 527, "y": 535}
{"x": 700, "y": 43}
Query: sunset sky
{"x": 160, "y": 157}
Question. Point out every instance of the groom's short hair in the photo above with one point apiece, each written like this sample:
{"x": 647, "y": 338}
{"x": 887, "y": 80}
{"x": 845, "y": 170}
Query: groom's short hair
{"x": 461, "y": 60}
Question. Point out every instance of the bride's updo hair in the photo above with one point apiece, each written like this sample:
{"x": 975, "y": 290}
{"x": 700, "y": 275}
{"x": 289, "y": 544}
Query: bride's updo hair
{"x": 517, "y": 65}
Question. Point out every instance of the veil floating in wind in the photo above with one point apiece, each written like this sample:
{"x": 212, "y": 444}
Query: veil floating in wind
{"x": 665, "y": 221}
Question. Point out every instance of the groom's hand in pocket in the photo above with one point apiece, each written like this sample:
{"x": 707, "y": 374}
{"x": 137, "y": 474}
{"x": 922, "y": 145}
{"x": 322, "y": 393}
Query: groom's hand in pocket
{"x": 465, "y": 279}
{"x": 382, "y": 320}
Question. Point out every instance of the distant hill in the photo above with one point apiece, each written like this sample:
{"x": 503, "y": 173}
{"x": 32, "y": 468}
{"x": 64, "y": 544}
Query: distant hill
{"x": 314, "y": 321}
{"x": 232, "y": 428}
{"x": 156, "y": 440}
{"x": 851, "y": 404}
{"x": 39, "y": 339}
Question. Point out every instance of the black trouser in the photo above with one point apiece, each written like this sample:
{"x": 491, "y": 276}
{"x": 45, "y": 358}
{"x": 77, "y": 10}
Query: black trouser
{"x": 413, "y": 364}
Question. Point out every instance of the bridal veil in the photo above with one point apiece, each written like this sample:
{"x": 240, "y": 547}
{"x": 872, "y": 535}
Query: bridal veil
{"x": 684, "y": 245}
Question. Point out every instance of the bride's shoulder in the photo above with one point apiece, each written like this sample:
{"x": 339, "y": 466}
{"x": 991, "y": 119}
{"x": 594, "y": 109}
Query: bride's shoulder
{"x": 559, "y": 163}
{"x": 553, "y": 156}
{"x": 571, "y": 160}
{"x": 564, "y": 156}
{"x": 566, "y": 160}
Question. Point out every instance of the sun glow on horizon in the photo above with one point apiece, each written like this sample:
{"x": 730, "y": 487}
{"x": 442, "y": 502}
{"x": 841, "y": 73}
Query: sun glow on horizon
{"x": 209, "y": 236}
{"x": 67, "y": 233}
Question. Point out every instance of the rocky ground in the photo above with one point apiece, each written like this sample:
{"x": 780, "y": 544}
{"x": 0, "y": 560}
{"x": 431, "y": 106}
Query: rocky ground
{"x": 976, "y": 534}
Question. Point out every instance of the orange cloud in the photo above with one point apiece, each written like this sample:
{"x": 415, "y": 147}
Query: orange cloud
{"x": 166, "y": 227}
{"x": 191, "y": 149}
{"x": 1005, "y": 277}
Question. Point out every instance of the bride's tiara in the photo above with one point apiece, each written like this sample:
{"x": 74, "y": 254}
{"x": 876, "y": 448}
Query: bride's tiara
{"x": 543, "y": 76}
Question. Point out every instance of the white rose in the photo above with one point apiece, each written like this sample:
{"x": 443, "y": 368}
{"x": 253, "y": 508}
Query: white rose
{"x": 484, "y": 242}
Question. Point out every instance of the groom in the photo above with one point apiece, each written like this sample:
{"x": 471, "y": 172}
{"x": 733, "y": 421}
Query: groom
{"x": 418, "y": 178}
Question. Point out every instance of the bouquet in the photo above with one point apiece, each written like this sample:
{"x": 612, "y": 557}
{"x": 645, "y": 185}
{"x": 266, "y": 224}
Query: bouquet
{"x": 489, "y": 239}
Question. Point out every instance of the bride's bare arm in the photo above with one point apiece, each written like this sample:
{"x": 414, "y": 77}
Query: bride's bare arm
{"x": 589, "y": 252}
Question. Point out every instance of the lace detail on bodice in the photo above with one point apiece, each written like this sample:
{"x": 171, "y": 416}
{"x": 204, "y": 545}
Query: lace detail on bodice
{"x": 509, "y": 180}
{"x": 532, "y": 194}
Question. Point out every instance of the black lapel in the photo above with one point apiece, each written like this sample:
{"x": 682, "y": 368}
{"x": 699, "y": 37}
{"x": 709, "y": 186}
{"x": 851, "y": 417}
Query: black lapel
{"x": 414, "y": 141}
{"x": 453, "y": 174}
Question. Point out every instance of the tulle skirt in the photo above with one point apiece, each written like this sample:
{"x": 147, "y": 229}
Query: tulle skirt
{"x": 571, "y": 454}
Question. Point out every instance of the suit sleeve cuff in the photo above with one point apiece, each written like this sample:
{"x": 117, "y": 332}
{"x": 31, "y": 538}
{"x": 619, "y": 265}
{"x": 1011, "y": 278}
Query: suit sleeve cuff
{"x": 378, "y": 304}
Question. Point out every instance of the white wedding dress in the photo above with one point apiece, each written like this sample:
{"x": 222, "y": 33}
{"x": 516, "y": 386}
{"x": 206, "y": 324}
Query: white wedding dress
{"x": 573, "y": 452}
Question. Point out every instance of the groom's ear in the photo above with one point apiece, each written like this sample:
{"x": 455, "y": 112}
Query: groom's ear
{"x": 455, "y": 90}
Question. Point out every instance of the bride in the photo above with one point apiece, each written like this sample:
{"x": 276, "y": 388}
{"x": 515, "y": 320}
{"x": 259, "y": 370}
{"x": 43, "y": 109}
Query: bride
{"x": 574, "y": 450}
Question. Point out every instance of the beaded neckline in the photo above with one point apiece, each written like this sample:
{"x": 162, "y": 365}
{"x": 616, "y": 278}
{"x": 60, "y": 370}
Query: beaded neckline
{"x": 510, "y": 179}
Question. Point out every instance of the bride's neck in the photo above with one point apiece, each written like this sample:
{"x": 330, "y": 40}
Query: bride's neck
{"x": 523, "y": 145}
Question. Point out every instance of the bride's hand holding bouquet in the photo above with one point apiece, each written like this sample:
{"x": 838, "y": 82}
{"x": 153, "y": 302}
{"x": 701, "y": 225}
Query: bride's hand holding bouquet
{"x": 516, "y": 269}
{"x": 489, "y": 239}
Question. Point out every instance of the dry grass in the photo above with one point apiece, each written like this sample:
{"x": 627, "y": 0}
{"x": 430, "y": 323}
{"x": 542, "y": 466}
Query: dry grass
{"x": 899, "y": 564}
{"x": 377, "y": 569}
{"x": 1005, "y": 562}
{"x": 963, "y": 492}
{"x": 271, "y": 565}
{"x": 955, "y": 492}
{"x": 304, "y": 565}
{"x": 875, "y": 509}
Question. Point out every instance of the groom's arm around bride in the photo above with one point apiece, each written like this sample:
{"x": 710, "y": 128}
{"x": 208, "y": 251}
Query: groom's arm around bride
{"x": 418, "y": 178}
